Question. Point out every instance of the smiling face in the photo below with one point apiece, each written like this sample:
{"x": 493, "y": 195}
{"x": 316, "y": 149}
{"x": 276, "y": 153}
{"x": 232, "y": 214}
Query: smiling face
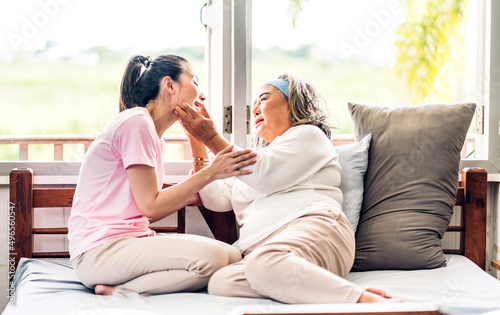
{"x": 271, "y": 113}
{"x": 189, "y": 90}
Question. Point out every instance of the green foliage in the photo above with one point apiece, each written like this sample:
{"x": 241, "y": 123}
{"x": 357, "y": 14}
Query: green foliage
{"x": 430, "y": 48}
{"x": 337, "y": 81}
{"x": 294, "y": 9}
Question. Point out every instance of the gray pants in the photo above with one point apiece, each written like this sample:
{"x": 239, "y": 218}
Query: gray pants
{"x": 155, "y": 264}
{"x": 303, "y": 262}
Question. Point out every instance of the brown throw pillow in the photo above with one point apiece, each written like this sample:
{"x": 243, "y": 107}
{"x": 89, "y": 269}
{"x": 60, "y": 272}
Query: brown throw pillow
{"x": 410, "y": 184}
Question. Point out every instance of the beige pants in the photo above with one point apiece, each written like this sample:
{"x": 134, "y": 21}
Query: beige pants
{"x": 303, "y": 262}
{"x": 155, "y": 264}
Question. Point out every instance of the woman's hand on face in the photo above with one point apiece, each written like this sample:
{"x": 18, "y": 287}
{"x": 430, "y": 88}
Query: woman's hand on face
{"x": 198, "y": 108}
{"x": 196, "y": 122}
{"x": 228, "y": 163}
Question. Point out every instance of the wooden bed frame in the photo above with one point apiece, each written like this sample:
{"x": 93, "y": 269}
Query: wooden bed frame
{"x": 24, "y": 197}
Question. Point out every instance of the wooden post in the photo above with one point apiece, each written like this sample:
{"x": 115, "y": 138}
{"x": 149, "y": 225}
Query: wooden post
{"x": 21, "y": 216}
{"x": 475, "y": 183}
{"x": 181, "y": 220}
{"x": 23, "y": 151}
{"x": 86, "y": 146}
{"x": 58, "y": 152}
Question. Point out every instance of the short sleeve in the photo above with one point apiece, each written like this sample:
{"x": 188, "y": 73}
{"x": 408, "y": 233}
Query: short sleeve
{"x": 135, "y": 141}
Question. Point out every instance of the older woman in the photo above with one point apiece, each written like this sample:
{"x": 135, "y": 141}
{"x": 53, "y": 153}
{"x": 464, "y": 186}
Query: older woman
{"x": 296, "y": 242}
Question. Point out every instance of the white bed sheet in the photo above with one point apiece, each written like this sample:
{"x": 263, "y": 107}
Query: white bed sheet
{"x": 51, "y": 287}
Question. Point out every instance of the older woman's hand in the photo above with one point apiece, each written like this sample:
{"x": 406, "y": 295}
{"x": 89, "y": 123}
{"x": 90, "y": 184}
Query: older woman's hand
{"x": 197, "y": 122}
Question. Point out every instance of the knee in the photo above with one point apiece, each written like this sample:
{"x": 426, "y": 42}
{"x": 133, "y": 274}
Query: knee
{"x": 219, "y": 284}
{"x": 234, "y": 255}
{"x": 211, "y": 260}
{"x": 262, "y": 267}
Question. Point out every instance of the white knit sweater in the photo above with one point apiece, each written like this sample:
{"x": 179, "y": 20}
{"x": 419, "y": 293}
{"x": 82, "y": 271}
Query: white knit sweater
{"x": 297, "y": 173}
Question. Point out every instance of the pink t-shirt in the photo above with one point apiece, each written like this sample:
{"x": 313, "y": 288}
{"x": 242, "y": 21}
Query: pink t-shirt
{"x": 104, "y": 207}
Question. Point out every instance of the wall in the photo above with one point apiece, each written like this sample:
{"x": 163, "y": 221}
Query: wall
{"x": 493, "y": 233}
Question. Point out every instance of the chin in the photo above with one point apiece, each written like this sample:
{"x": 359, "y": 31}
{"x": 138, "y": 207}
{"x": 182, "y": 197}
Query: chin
{"x": 266, "y": 140}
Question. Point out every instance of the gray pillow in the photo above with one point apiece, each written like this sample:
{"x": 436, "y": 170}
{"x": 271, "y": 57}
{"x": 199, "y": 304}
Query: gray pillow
{"x": 410, "y": 183}
{"x": 353, "y": 160}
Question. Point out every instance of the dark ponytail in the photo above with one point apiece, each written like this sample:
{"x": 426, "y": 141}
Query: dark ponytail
{"x": 142, "y": 78}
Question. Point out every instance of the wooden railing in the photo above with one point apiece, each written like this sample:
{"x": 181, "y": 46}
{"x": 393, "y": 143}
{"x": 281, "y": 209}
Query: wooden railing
{"x": 24, "y": 141}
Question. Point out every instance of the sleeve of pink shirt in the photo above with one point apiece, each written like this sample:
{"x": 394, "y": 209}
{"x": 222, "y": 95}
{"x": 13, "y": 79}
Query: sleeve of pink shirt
{"x": 135, "y": 141}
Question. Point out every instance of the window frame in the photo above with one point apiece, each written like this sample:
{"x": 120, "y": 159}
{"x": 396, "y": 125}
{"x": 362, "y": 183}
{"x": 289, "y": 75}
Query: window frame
{"x": 229, "y": 36}
{"x": 488, "y": 86}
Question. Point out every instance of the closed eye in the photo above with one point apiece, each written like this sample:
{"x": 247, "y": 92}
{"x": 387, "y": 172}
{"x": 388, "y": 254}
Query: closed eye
{"x": 263, "y": 96}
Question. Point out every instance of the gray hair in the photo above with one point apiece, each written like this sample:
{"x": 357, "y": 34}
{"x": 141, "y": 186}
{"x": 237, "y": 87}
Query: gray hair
{"x": 307, "y": 106}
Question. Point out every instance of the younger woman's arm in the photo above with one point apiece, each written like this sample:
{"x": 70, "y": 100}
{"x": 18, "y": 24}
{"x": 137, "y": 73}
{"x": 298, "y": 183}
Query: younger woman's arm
{"x": 156, "y": 204}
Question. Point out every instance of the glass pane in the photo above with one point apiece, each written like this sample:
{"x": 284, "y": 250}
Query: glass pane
{"x": 348, "y": 50}
{"x": 62, "y": 62}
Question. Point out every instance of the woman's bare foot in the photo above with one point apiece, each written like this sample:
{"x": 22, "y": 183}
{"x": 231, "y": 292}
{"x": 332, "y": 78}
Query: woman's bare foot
{"x": 102, "y": 289}
{"x": 374, "y": 295}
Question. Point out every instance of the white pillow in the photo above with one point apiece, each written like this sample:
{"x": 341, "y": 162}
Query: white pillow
{"x": 353, "y": 160}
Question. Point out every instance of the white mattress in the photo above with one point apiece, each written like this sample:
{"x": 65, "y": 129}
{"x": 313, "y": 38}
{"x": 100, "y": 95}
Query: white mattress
{"x": 51, "y": 287}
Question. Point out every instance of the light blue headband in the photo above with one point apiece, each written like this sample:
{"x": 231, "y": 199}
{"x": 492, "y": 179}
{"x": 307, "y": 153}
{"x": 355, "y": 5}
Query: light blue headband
{"x": 280, "y": 84}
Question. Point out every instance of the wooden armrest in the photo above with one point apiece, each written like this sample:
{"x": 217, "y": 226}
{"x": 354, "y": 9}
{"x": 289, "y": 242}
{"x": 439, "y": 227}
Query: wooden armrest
{"x": 474, "y": 181}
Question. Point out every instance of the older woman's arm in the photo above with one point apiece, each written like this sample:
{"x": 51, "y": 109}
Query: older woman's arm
{"x": 290, "y": 159}
{"x": 284, "y": 163}
{"x": 217, "y": 196}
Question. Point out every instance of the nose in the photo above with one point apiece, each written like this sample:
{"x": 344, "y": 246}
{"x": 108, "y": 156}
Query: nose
{"x": 256, "y": 108}
{"x": 202, "y": 97}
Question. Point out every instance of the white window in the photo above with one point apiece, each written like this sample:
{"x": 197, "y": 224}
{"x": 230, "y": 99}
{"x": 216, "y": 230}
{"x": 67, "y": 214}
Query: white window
{"x": 488, "y": 85}
{"x": 346, "y": 49}
{"x": 229, "y": 29}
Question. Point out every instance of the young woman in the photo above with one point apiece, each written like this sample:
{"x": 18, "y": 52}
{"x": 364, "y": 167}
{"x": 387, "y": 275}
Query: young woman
{"x": 296, "y": 242}
{"x": 119, "y": 191}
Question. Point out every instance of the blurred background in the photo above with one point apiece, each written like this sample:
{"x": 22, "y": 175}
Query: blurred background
{"x": 61, "y": 62}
